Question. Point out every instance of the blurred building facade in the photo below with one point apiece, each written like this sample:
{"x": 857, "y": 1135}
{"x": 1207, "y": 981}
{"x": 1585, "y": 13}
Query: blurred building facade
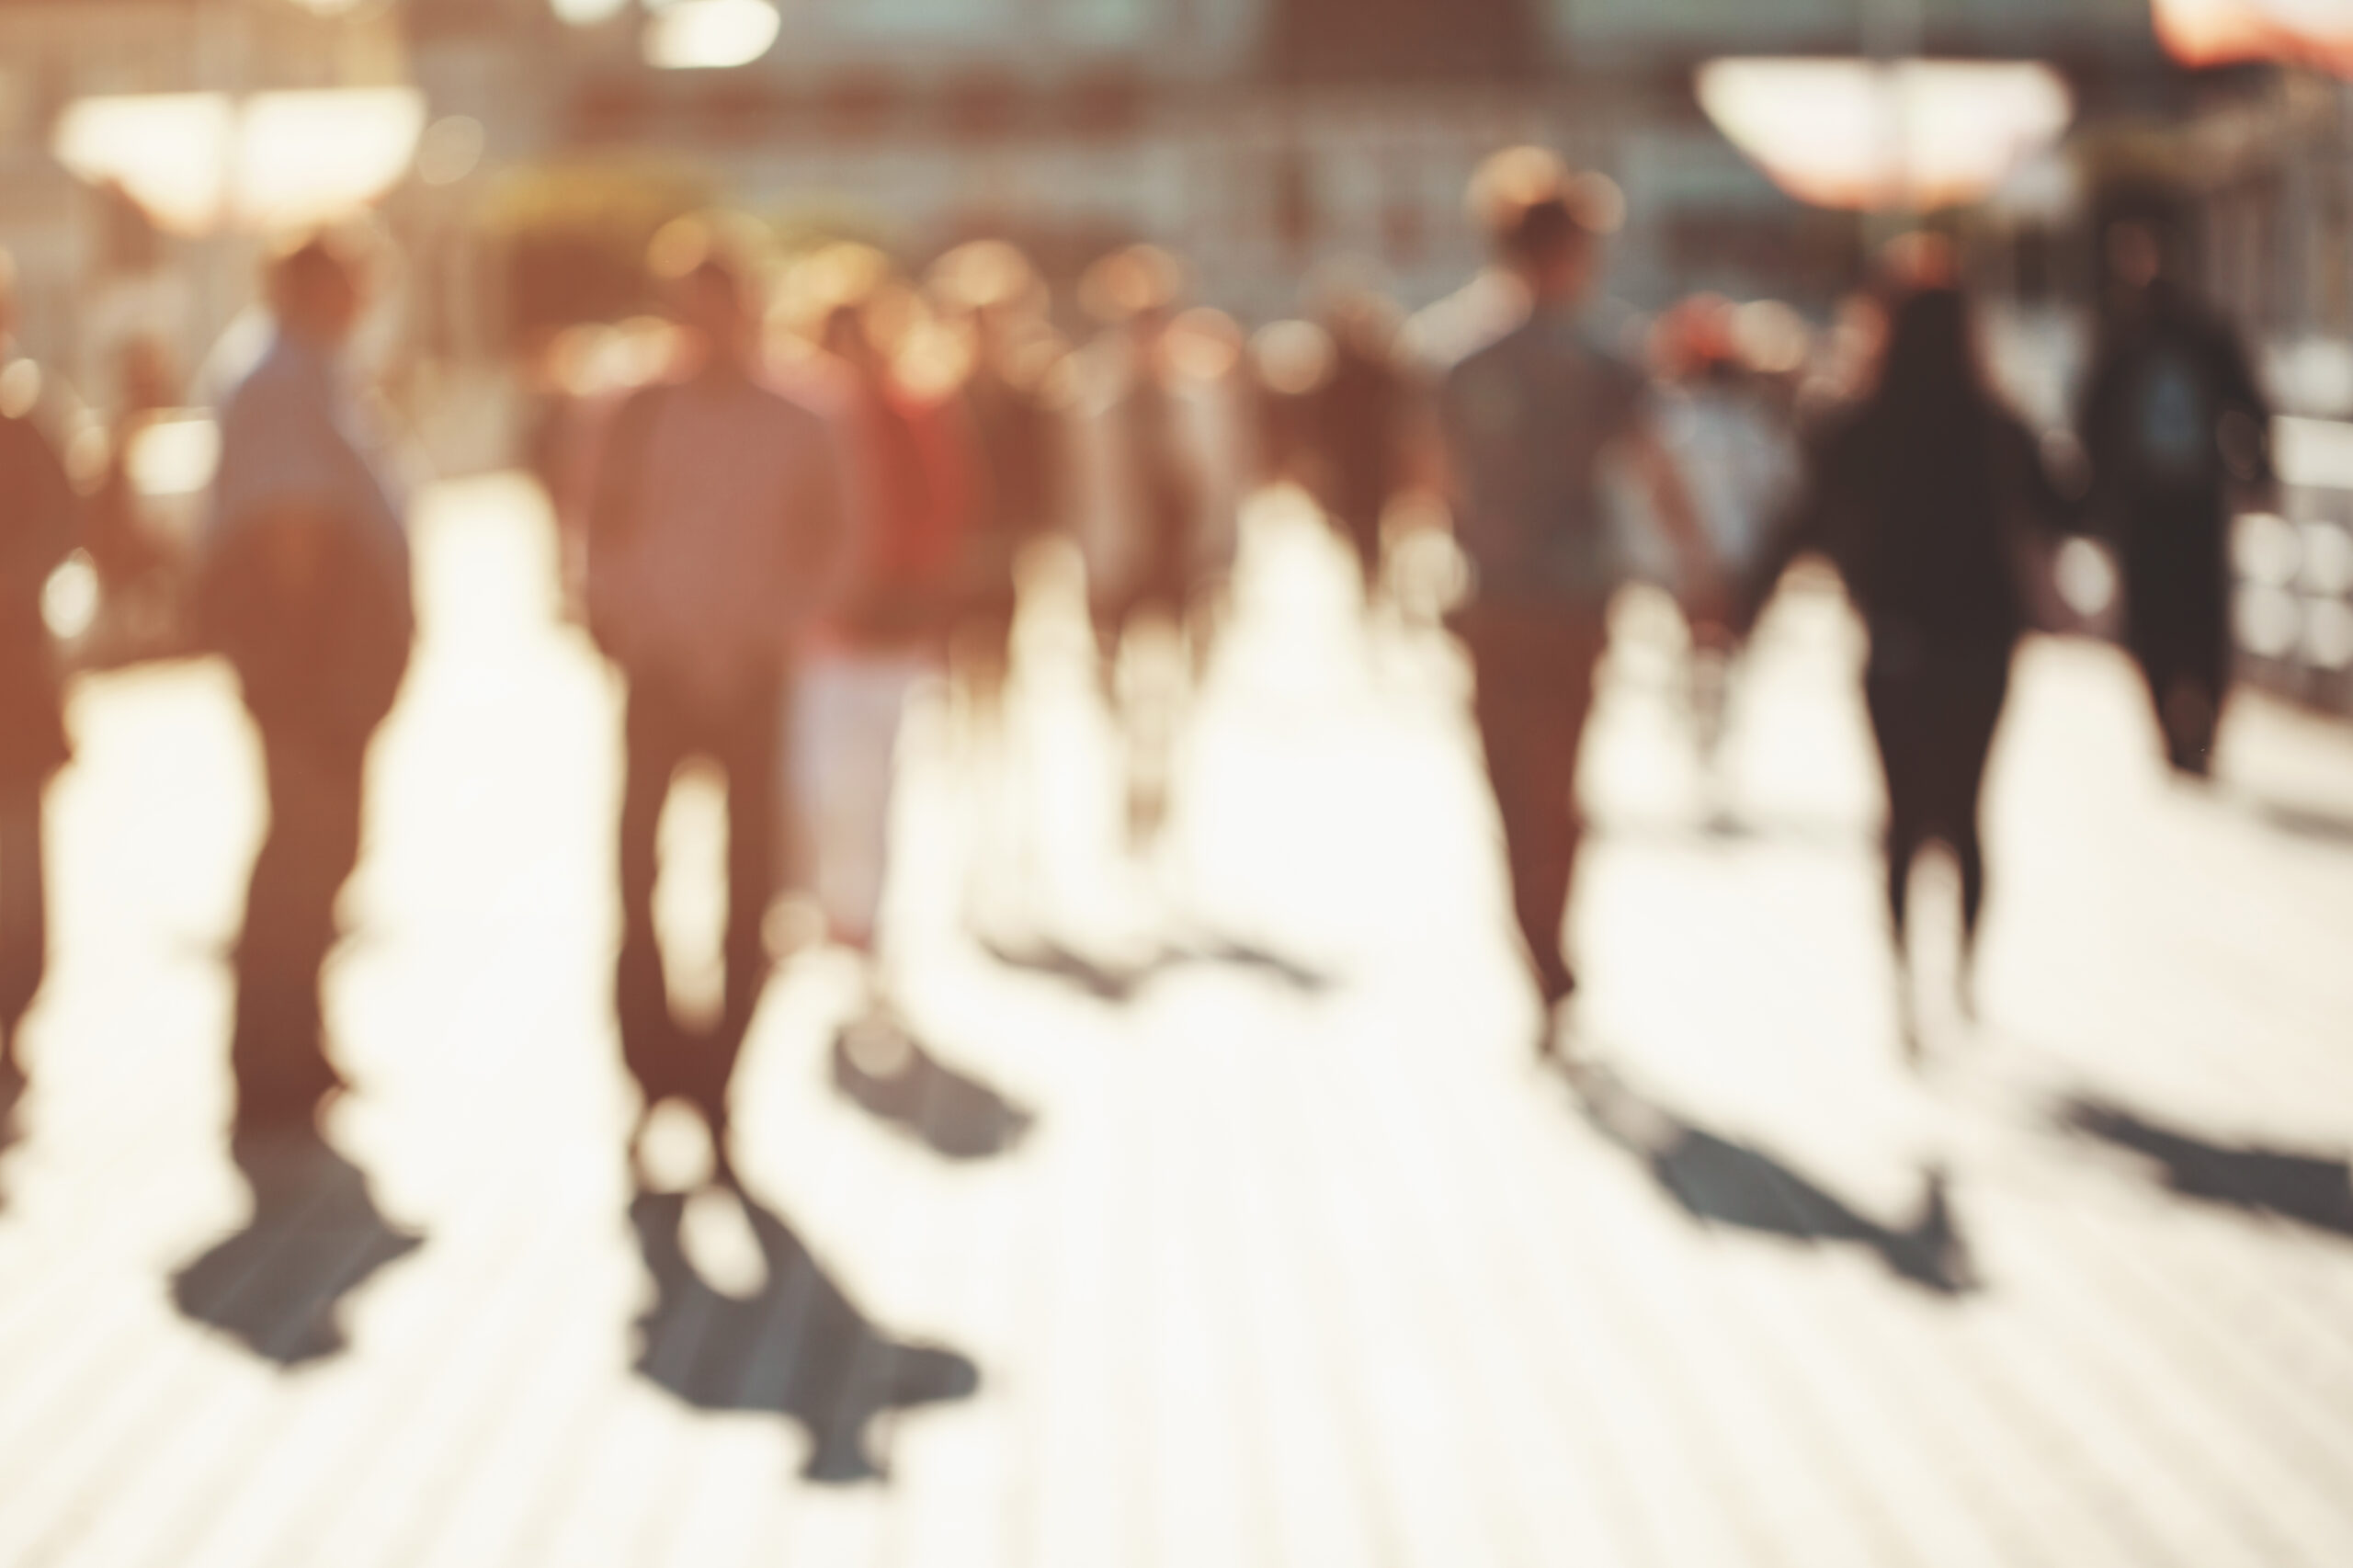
{"x": 1257, "y": 136}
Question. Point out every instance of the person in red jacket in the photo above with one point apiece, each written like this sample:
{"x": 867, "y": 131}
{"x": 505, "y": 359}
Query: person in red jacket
{"x": 916, "y": 477}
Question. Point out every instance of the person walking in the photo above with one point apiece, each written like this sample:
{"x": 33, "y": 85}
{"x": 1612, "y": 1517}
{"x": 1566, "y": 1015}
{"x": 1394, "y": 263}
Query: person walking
{"x": 2173, "y": 422}
{"x": 1532, "y": 421}
{"x": 915, "y": 475}
{"x": 37, "y": 515}
{"x": 1924, "y": 495}
{"x": 1362, "y": 415}
{"x": 1011, "y": 400}
{"x": 716, "y": 526}
{"x": 304, "y": 585}
{"x": 1739, "y": 455}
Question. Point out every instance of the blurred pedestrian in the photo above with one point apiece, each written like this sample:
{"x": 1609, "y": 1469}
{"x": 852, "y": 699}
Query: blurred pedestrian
{"x": 2173, "y": 422}
{"x": 1531, "y": 420}
{"x": 1926, "y": 496}
{"x": 1016, "y": 396}
{"x": 1360, "y": 421}
{"x": 1158, "y": 452}
{"x": 141, "y": 571}
{"x": 38, "y": 524}
{"x": 913, "y": 474}
{"x": 1740, "y": 460}
{"x": 304, "y": 585}
{"x": 1141, "y": 524}
{"x": 1009, "y": 394}
{"x": 716, "y": 529}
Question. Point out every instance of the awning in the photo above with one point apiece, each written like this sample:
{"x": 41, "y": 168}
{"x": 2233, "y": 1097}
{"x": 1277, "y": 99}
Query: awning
{"x": 1902, "y": 135}
{"x": 198, "y": 162}
{"x": 2223, "y": 33}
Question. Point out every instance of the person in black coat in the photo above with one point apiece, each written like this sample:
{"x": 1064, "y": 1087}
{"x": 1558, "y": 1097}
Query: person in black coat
{"x": 2172, "y": 421}
{"x": 1921, "y": 495}
{"x": 37, "y": 514}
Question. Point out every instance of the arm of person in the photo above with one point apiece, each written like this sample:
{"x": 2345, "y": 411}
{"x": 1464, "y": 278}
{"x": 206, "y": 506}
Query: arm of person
{"x": 1653, "y": 466}
{"x": 2245, "y": 428}
{"x": 2099, "y": 413}
{"x": 48, "y": 515}
{"x": 2048, "y": 512}
{"x": 1799, "y": 528}
{"x": 611, "y": 479}
{"x": 828, "y": 521}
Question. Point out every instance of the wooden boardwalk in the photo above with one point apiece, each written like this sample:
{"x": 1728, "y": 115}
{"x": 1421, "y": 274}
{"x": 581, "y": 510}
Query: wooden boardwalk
{"x": 1231, "y": 1223}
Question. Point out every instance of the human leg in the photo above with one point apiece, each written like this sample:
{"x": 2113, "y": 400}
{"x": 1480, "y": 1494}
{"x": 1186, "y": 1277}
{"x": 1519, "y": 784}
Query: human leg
{"x": 651, "y": 748}
{"x": 1894, "y": 702}
{"x": 24, "y": 913}
{"x": 277, "y": 1050}
{"x": 752, "y": 748}
{"x": 1533, "y": 691}
{"x": 1981, "y": 684}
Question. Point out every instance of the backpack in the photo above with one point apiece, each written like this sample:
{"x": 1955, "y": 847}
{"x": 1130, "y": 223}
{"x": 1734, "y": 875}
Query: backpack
{"x": 2172, "y": 419}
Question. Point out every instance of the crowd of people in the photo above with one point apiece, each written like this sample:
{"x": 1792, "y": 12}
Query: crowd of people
{"x": 809, "y": 495}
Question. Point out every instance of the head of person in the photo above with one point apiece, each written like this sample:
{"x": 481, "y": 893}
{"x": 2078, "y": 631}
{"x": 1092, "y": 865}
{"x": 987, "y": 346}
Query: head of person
{"x": 834, "y": 300}
{"x": 1136, "y": 291}
{"x": 317, "y": 289}
{"x": 711, "y": 307}
{"x": 2135, "y": 254}
{"x": 1544, "y": 221}
{"x": 1360, "y": 318}
{"x": 706, "y": 292}
{"x": 1929, "y": 369}
{"x": 148, "y": 379}
{"x": 991, "y": 286}
{"x": 847, "y": 336}
{"x": 1550, "y": 251}
{"x": 1694, "y": 341}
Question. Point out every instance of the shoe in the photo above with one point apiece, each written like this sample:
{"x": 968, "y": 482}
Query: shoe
{"x": 1560, "y": 989}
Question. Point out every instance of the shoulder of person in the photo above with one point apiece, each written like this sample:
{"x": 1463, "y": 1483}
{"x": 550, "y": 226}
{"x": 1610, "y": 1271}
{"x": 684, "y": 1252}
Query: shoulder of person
{"x": 1839, "y": 434}
{"x": 273, "y": 387}
{"x": 1497, "y": 354}
{"x": 21, "y": 438}
{"x": 816, "y": 387}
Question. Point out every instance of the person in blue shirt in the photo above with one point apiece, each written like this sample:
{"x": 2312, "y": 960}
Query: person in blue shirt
{"x": 304, "y": 586}
{"x": 1533, "y": 421}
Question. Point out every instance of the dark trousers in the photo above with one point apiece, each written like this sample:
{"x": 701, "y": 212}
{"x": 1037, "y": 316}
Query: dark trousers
{"x": 277, "y": 1047}
{"x": 666, "y": 725}
{"x": 2177, "y": 626}
{"x": 1534, "y": 672}
{"x": 1933, "y": 711}
{"x": 24, "y": 906}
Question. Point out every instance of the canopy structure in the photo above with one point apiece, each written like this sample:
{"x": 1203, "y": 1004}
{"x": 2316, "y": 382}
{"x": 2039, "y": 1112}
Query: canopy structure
{"x": 2223, "y": 33}
{"x": 1906, "y": 135}
{"x": 197, "y": 162}
{"x": 708, "y": 35}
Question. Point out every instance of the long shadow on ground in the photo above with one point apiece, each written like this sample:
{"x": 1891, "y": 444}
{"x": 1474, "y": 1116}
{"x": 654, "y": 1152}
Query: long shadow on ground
{"x": 276, "y": 1285}
{"x": 1120, "y": 983}
{"x": 882, "y": 1069}
{"x": 1717, "y": 1181}
{"x": 798, "y": 1348}
{"x": 13, "y": 1087}
{"x": 2309, "y": 823}
{"x": 2312, "y": 1188}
